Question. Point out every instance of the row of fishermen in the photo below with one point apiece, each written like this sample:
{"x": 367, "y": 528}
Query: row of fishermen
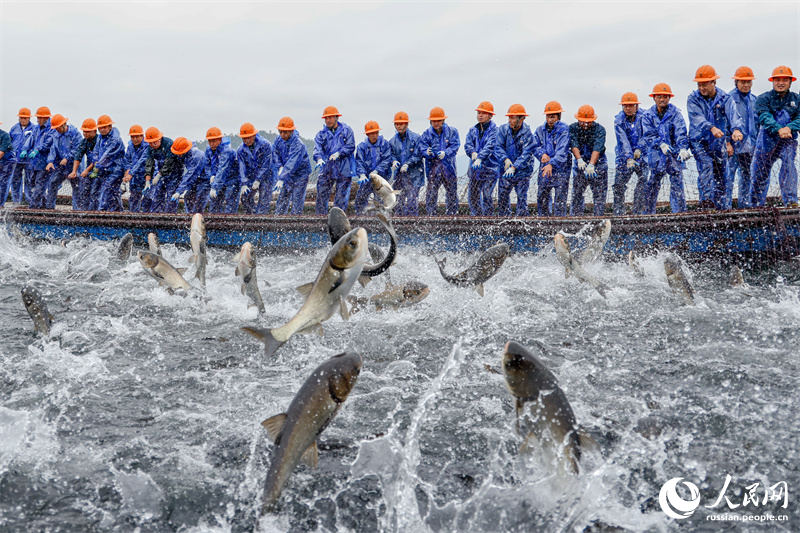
{"x": 727, "y": 133}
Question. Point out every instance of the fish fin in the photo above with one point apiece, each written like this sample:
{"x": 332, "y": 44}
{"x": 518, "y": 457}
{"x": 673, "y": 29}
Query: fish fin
{"x": 236, "y": 259}
{"x": 171, "y": 291}
{"x": 243, "y": 289}
{"x": 587, "y": 441}
{"x": 397, "y": 191}
{"x": 266, "y": 283}
{"x": 271, "y": 344}
{"x": 567, "y": 273}
{"x": 238, "y": 272}
{"x": 489, "y": 368}
{"x": 50, "y": 316}
{"x": 193, "y": 259}
{"x": 313, "y": 328}
{"x": 602, "y": 288}
{"x": 479, "y": 289}
{"x": 305, "y": 289}
{"x": 528, "y": 444}
{"x": 442, "y": 263}
{"x": 343, "y": 309}
{"x": 364, "y": 280}
{"x": 274, "y": 426}
{"x": 182, "y": 270}
{"x": 311, "y": 457}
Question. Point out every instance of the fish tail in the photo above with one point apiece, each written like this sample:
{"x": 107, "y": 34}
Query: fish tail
{"x": 271, "y": 344}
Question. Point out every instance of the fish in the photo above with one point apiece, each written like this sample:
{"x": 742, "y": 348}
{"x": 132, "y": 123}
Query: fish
{"x": 325, "y": 295}
{"x": 393, "y": 297}
{"x": 573, "y": 267}
{"x": 37, "y": 309}
{"x": 382, "y": 265}
{"x": 736, "y": 277}
{"x": 160, "y": 269}
{"x": 198, "y": 239}
{"x": 481, "y": 271}
{"x": 153, "y": 244}
{"x": 543, "y": 407}
{"x": 296, "y": 431}
{"x": 246, "y": 267}
{"x": 634, "y": 264}
{"x": 597, "y": 242}
{"x": 338, "y": 224}
{"x": 125, "y": 246}
{"x": 677, "y": 279}
{"x": 384, "y": 191}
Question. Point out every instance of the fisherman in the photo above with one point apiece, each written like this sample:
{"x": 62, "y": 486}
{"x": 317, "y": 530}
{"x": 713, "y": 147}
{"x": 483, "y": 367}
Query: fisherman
{"x": 222, "y": 167}
{"x": 334, "y": 153}
{"x": 20, "y": 180}
{"x": 133, "y": 164}
{"x": 551, "y": 144}
{"x": 373, "y": 157}
{"x": 439, "y": 145}
{"x": 407, "y": 167}
{"x": 713, "y": 123}
{"x": 483, "y": 175}
{"x": 37, "y": 146}
{"x": 109, "y": 153}
{"x": 255, "y": 171}
{"x": 630, "y": 155}
{"x": 8, "y": 159}
{"x": 664, "y": 133}
{"x": 514, "y": 148}
{"x": 193, "y": 188}
{"x": 162, "y": 171}
{"x": 82, "y": 189}
{"x": 66, "y": 141}
{"x": 588, "y": 142}
{"x": 740, "y": 154}
{"x": 778, "y": 114}
{"x": 290, "y": 157}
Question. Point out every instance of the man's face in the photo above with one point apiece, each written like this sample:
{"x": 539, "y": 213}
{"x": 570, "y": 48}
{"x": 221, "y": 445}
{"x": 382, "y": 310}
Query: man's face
{"x": 585, "y": 125}
{"x": 662, "y": 101}
{"x": 155, "y": 145}
{"x": 630, "y": 109}
{"x": 62, "y": 129}
{"x": 214, "y": 143}
{"x": 552, "y": 119}
{"x": 24, "y": 121}
{"x": 104, "y": 130}
{"x": 136, "y": 139}
{"x": 249, "y": 141}
{"x": 89, "y": 135}
{"x": 286, "y": 134}
{"x": 484, "y": 117}
{"x": 515, "y": 121}
{"x": 331, "y": 122}
{"x": 41, "y": 120}
{"x": 781, "y": 84}
{"x": 744, "y": 86}
{"x": 707, "y": 89}
{"x": 401, "y": 127}
{"x": 437, "y": 124}
{"x": 372, "y": 137}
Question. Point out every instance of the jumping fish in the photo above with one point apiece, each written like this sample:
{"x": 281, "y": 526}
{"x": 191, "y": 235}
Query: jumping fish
{"x": 125, "y": 246}
{"x": 160, "y": 269}
{"x": 383, "y": 190}
{"x": 573, "y": 267}
{"x": 393, "y": 297}
{"x": 597, "y": 242}
{"x": 153, "y": 244}
{"x": 484, "y": 268}
{"x": 246, "y": 267}
{"x": 634, "y": 264}
{"x": 198, "y": 239}
{"x": 677, "y": 279}
{"x": 37, "y": 309}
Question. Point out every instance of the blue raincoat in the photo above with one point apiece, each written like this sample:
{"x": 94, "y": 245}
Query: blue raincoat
{"x": 63, "y": 147}
{"x": 20, "y": 184}
{"x": 41, "y": 141}
{"x": 405, "y": 150}
{"x": 133, "y": 164}
{"x": 162, "y": 159}
{"x": 292, "y": 156}
{"x": 742, "y": 158}
{"x": 587, "y": 141}
{"x": 669, "y": 128}
{"x": 337, "y": 173}
{"x": 776, "y": 111}
{"x": 7, "y": 164}
{"x": 517, "y": 147}
{"x": 82, "y": 200}
{"x": 195, "y": 182}
{"x": 440, "y": 172}
{"x": 109, "y": 152}
{"x": 630, "y": 137}
{"x": 481, "y": 140}
{"x": 555, "y": 144}
{"x": 255, "y": 165}
{"x": 371, "y": 157}
{"x": 223, "y": 165}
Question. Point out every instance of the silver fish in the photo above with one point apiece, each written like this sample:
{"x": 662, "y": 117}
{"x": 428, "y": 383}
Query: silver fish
{"x": 246, "y": 267}
{"x": 393, "y": 297}
{"x": 384, "y": 191}
{"x": 125, "y": 246}
{"x": 160, "y": 269}
{"x": 370, "y": 271}
{"x": 338, "y": 224}
{"x": 677, "y": 279}
{"x": 153, "y": 244}
{"x": 597, "y": 242}
{"x": 482, "y": 270}
{"x": 634, "y": 264}
{"x": 198, "y": 239}
{"x": 573, "y": 267}
{"x": 37, "y": 309}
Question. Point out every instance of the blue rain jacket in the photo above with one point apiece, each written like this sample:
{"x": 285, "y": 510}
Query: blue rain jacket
{"x": 377, "y": 157}
{"x": 41, "y": 140}
{"x": 109, "y": 151}
{"x": 705, "y": 114}
{"x": 85, "y": 148}
{"x": 629, "y": 138}
{"x": 555, "y": 143}
{"x": 516, "y": 146}
{"x": 194, "y": 162}
{"x": 134, "y": 160}
{"x": 341, "y": 140}
{"x": 292, "y": 155}
{"x": 774, "y": 112}
{"x": 255, "y": 164}
{"x": 589, "y": 140}
{"x": 482, "y": 138}
{"x": 223, "y": 164}
{"x": 669, "y": 128}
{"x": 448, "y": 142}
{"x": 7, "y": 147}
{"x": 168, "y": 164}
{"x": 746, "y": 106}
{"x": 64, "y": 146}
{"x": 18, "y": 137}
{"x": 405, "y": 149}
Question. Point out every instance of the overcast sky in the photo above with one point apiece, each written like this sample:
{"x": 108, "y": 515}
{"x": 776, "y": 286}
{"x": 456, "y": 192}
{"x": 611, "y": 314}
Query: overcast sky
{"x": 187, "y": 66}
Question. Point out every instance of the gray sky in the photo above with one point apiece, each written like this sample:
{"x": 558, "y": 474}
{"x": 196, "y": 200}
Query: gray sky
{"x": 186, "y": 66}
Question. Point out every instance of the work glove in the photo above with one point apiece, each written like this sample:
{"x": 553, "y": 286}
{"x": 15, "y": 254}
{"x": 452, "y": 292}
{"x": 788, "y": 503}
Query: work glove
{"x": 374, "y": 174}
{"x": 404, "y": 168}
{"x": 430, "y": 152}
{"x": 637, "y": 154}
{"x": 213, "y": 194}
{"x": 33, "y": 154}
{"x": 278, "y": 186}
{"x": 211, "y": 179}
{"x": 474, "y": 156}
{"x": 590, "y": 171}
{"x": 23, "y": 154}
{"x": 93, "y": 174}
{"x": 477, "y": 163}
{"x": 156, "y": 177}
{"x": 334, "y": 156}
{"x": 177, "y": 196}
{"x": 509, "y": 173}
{"x": 395, "y": 164}
{"x": 146, "y": 186}
{"x": 255, "y": 185}
{"x": 440, "y": 154}
{"x": 280, "y": 172}
{"x": 631, "y": 163}
{"x": 506, "y": 164}
{"x": 685, "y": 154}
{"x": 581, "y": 164}
{"x": 320, "y": 162}
{"x": 244, "y": 190}
{"x": 665, "y": 148}
{"x": 362, "y": 179}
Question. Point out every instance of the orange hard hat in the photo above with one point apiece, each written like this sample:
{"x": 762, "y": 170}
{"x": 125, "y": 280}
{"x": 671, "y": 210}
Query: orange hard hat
{"x": 485, "y": 107}
{"x": 24, "y": 113}
{"x": 136, "y": 130}
{"x": 705, "y": 73}
{"x": 89, "y": 125}
{"x": 43, "y": 112}
{"x": 782, "y": 72}
{"x": 552, "y": 108}
{"x": 401, "y": 117}
{"x": 286, "y": 124}
{"x": 331, "y": 111}
{"x": 437, "y": 113}
{"x": 181, "y": 145}
{"x": 213, "y": 133}
{"x": 57, "y": 121}
{"x": 629, "y": 99}
{"x": 586, "y": 114}
{"x": 103, "y": 121}
{"x": 517, "y": 109}
{"x": 247, "y": 130}
{"x": 371, "y": 127}
{"x": 744, "y": 73}
{"x": 662, "y": 88}
{"x": 152, "y": 134}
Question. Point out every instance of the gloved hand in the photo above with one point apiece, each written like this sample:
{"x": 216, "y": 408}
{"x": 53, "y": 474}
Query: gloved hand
{"x": 146, "y": 186}
{"x": 630, "y": 163}
{"x": 23, "y": 154}
{"x": 581, "y": 164}
{"x": 430, "y": 152}
{"x": 33, "y": 154}
{"x": 334, "y": 156}
{"x": 506, "y": 164}
{"x": 509, "y": 173}
{"x": 213, "y": 194}
{"x": 211, "y": 179}
{"x": 93, "y": 174}
{"x": 474, "y": 156}
{"x": 590, "y": 172}
{"x": 440, "y": 155}
{"x": 362, "y": 179}
{"x": 477, "y": 163}
{"x": 404, "y": 168}
{"x": 156, "y": 177}
{"x": 665, "y": 148}
{"x": 395, "y": 164}
{"x": 685, "y": 154}
{"x": 374, "y": 174}
{"x": 244, "y": 190}
{"x": 255, "y": 185}
{"x": 280, "y": 172}
{"x": 319, "y": 164}
{"x": 278, "y": 186}
{"x": 637, "y": 154}
{"x": 176, "y": 196}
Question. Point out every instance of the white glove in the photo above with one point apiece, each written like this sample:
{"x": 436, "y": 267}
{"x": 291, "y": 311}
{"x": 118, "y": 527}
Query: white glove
{"x": 474, "y": 156}
{"x": 278, "y": 186}
{"x": 244, "y": 190}
{"x": 637, "y": 154}
{"x": 404, "y": 168}
{"x": 280, "y": 172}
{"x": 156, "y": 177}
{"x": 430, "y": 152}
{"x": 395, "y": 164}
{"x": 334, "y": 156}
{"x": 320, "y": 162}
{"x": 211, "y": 179}
{"x": 630, "y": 164}
{"x": 176, "y": 196}
{"x": 665, "y": 149}
{"x": 590, "y": 171}
{"x": 509, "y": 173}
{"x": 362, "y": 179}
{"x": 213, "y": 193}
{"x": 440, "y": 155}
{"x": 374, "y": 174}
{"x": 255, "y": 185}
{"x": 146, "y": 186}
{"x": 685, "y": 154}
{"x": 477, "y": 163}
{"x": 581, "y": 164}
{"x": 506, "y": 164}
